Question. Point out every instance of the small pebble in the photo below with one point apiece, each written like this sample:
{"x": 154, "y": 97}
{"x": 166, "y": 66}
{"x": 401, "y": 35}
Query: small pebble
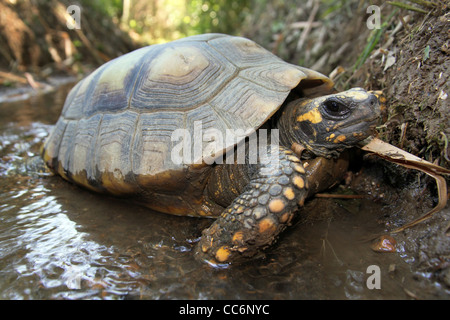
{"x": 384, "y": 244}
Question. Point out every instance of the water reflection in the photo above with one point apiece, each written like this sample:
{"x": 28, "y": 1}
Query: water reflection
{"x": 43, "y": 245}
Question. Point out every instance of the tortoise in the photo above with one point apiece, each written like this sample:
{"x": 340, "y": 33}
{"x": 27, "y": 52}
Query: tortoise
{"x": 131, "y": 129}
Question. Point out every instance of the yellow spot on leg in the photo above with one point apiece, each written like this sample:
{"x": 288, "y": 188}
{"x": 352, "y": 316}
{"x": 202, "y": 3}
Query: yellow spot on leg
{"x": 240, "y": 209}
{"x": 293, "y": 158}
{"x": 276, "y": 205}
{"x": 301, "y": 202}
{"x": 238, "y": 237}
{"x": 285, "y": 217}
{"x": 299, "y": 168}
{"x": 299, "y": 182}
{"x": 267, "y": 226}
{"x": 223, "y": 254}
{"x": 289, "y": 193}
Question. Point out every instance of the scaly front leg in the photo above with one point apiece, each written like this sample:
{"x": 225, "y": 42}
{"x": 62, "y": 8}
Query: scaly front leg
{"x": 263, "y": 210}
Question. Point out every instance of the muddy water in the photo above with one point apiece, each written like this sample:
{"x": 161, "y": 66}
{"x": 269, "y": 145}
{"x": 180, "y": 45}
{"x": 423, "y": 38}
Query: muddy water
{"x": 61, "y": 242}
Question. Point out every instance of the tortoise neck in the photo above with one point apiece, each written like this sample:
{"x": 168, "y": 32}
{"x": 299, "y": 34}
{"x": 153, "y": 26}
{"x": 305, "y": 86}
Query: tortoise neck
{"x": 286, "y": 124}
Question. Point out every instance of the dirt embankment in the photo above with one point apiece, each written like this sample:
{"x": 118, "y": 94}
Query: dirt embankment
{"x": 408, "y": 58}
{"x": 51, "y": 36}
{"x": 411, "y": 64}
{"x": 417, "y": 85}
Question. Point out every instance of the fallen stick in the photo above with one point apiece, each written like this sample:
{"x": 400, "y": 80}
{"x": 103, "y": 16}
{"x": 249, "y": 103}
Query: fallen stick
{"x": 13, "y": 77}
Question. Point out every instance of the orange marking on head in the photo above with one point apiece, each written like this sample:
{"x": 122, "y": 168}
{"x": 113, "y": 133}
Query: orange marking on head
{"x": 340, "y": 138}
{"x": 312, "y": 116}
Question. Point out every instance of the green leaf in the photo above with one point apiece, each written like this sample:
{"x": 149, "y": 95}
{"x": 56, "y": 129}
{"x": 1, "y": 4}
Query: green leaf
{"x": 426, "y": 53}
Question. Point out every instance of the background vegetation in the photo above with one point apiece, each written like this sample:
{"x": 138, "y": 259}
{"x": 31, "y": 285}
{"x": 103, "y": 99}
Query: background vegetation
{"x": 330, "y": 36}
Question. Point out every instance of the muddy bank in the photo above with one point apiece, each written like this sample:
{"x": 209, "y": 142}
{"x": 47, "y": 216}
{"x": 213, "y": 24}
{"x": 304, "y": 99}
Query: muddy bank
{"x": 417, "y": 85}
{"x": 408, "y": 58}
{"x": 413, "y": 67}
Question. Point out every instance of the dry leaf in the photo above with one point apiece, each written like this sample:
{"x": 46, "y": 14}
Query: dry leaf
{"x": 403, "y": 158}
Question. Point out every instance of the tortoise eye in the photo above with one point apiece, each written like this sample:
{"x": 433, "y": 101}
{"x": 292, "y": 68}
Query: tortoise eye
{"x": 335, "y": 109}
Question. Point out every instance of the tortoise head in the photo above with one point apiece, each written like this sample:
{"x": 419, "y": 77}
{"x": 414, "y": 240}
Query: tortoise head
{"x": 327, "y": 125}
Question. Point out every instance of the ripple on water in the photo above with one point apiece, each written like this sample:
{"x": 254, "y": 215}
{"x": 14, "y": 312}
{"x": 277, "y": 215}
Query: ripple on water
{"x": 40, "y": 244}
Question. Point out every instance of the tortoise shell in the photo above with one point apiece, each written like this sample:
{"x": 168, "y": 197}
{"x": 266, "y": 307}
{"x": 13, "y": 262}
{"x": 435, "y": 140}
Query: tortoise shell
{"x": 115, "y": 131}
